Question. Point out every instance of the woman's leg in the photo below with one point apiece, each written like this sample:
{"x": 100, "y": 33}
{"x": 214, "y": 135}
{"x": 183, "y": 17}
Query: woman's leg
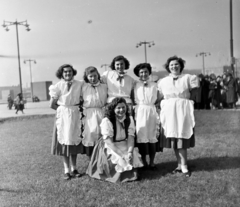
{"x": 152, "y": 153}
{"x": 73, "y": 162}
{"x": 183, "y": 157}
{"x": 144, "y": 160}
{"x": 74, "y": 171}
{"x": 66, "y": 164}
{"x": 178, "y": 159}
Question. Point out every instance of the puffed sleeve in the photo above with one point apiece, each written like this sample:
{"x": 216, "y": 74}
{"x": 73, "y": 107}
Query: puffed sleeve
{"x": 131, "y": 129}
{"x": 104, "y": 77}
{"x": 106, "y": 128}
{"x": 54, "y": 91}
{"x": 159, "y": 88}
{"x": 193, "y": 81}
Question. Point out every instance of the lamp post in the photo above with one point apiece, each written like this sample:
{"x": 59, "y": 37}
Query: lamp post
{"x": 105, "y": 66}
{"x": 231, "y": 39}
{"x": 150, "y": 44}
{"x": 203, "y": 54}
{"x": 34, "y": 61}
{"x": 7, "y": 24}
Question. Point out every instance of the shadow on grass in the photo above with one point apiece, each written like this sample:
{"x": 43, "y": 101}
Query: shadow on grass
{"x": 195, "y": 165}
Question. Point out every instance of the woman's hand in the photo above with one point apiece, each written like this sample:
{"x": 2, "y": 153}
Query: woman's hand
{"x": 129, "y": 158}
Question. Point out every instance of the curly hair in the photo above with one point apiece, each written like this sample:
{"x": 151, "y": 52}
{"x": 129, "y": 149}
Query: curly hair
{"x": 118, "y": 58}
{"x": 89, "y": 70}
{"x": 180, "y": 61}
{"x": 59, "y": 72}
{"x": 141, "y": 66}
{"x": 110, "y": 114}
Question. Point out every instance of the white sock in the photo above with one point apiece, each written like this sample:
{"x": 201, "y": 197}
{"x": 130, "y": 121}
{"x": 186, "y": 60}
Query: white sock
{"x": 73, "y": 168}
{"x": 184, "y": 168}
{"x": 179, "y": 166}
{"x": 66, "y": 170}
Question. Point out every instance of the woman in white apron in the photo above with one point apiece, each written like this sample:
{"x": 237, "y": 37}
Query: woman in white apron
{"x": 67, "y": 130}
{"x": 177, "y": 112}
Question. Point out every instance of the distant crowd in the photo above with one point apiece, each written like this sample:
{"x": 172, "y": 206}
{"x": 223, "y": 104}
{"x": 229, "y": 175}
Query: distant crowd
{"x": 216, "y": 92}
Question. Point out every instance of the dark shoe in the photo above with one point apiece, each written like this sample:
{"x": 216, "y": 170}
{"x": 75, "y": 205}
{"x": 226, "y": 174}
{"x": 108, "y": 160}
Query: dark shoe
{"x": 145, "y": 167}
{"x": 176, "y": 171}
{"x": 75, "y": 174}
{"x": 187, "y": 174}
{"x": 67, "y": 176}
{"x": 138, "y": 178}
{"x": 153, "y": 168}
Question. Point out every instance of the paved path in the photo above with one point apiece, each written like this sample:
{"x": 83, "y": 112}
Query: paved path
{"x": 41, "y": 108}
{"x": 31, "y": 108}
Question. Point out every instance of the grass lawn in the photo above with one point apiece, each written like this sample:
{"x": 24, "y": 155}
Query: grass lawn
{"x": 30, "y": 176}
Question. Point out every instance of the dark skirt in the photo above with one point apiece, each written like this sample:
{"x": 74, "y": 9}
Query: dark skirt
{"x": 100, "y": 167}
{"x": 86, "y": 150}
{"x": 20, "y": 107}
{"x": 61, "y": 149}
{"x": 175, "y": 143}
{"x": 145, "y": 148}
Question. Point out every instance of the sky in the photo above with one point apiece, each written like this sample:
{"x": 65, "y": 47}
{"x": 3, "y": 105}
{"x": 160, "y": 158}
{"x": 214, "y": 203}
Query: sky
{"x": 92, "y": 32}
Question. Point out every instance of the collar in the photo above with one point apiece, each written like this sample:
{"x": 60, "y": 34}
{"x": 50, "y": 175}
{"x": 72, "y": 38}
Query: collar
{"x": 94, "y": 85}
{"x": 71, "y": 81}
{"x": 175, "y": 77}
{"x": 121, "y": 75}
{"x": 121, "y": 120}
{"x": 145, "y": 83}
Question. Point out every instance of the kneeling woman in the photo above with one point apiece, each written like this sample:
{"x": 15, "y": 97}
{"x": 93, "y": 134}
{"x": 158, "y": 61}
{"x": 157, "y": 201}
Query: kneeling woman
{"x": 114, "y": 157}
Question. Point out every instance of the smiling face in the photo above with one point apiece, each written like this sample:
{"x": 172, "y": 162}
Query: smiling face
{"x": 174, "y": 67}
{"x": 120, "y": 110}
{"x": 67, "y": 74}
{"x": 143, "y": 74}
{"x": 120, "y": 66}
{"x": 92, "y": 77}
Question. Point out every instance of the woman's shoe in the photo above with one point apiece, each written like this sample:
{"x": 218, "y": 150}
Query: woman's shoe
{"x": 67, "y": 176}
{"x": 75, "y": 174}
{"x": 145, "y": 167}
{"x": 176, "y": 171}
{"x": 187, "y": 174}
{"x": 153, "y": 168}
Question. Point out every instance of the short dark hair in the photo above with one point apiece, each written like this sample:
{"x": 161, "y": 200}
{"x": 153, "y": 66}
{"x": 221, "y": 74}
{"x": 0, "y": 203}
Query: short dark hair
{"x": 89, "y": 70}
{"x": 118, "y": 58}
{"x": 141, "y": 66}
{"x": 59, "y": 72}
{"x": 180, "y": 61}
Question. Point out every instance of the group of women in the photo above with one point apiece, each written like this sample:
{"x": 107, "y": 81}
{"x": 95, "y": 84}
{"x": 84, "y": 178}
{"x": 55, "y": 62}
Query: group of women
{"x": 117, "y": 121}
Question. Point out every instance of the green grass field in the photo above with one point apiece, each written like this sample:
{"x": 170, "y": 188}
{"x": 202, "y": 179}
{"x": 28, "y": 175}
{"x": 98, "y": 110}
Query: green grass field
{"x": 30, "y": 176}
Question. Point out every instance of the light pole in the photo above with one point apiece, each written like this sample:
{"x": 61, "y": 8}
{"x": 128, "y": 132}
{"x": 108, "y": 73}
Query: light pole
{"x": 203, "y": 54}
{"x": 34, "y": 61}
{"x": 7, "y": 24}
{"x": 231, "y": 39}
{"x": 150, "y": 44}
{"x": 105, "y": 66}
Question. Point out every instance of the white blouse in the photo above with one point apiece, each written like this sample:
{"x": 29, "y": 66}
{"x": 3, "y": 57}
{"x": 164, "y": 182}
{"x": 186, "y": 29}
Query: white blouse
{"x": 107, "y": 129}
{"x": 146, "y": 95}
{"x": 94, "y": 97}
{"x": 180, "y": 88}
{"x": 66, "y": 98}
{"x": 117, "y": 88}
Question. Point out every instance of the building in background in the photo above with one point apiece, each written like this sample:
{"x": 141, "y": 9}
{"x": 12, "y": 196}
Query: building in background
{"x": 40, "y": 89}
